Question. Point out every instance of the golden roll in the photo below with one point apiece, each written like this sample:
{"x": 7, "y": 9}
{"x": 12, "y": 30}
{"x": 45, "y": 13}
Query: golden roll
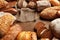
{"x": 27, "y": 35}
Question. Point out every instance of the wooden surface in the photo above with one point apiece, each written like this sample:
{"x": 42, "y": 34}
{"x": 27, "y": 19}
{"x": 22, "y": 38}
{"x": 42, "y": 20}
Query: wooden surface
{"x": 29, "y": 26}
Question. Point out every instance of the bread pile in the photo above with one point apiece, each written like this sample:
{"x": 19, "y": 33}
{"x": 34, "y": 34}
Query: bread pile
{"x": 9, "y": 30}
{"x": 8, "y": 6}
{"x": 12, "y": 11}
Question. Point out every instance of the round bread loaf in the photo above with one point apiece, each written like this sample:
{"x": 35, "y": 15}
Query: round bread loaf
{"x": 55, "y": 27}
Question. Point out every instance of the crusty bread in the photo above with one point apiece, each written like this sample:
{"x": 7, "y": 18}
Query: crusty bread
{"x": 42, "y": 31}
{"x": 13, "y": 32}
{"x": 27, "y": 35}
{"x": 6, "y": 20}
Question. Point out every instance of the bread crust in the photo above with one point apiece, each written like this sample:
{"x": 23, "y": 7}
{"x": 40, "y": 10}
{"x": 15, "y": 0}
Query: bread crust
{"x": 50, "y": 13}
{"x": 27, "y": 35}
{"x": 42, "y": 31}
{"x": 13, "y": 32}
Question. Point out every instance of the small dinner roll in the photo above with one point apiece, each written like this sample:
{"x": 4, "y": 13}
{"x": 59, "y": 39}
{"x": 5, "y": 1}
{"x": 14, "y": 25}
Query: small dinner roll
{"x": 27, "y": 35}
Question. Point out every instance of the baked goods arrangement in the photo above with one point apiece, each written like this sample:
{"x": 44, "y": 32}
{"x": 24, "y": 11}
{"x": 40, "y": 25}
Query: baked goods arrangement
{"x": 8, "y": 6}
{"x": 6, "y": 19}
{"x": 29, "y": 20}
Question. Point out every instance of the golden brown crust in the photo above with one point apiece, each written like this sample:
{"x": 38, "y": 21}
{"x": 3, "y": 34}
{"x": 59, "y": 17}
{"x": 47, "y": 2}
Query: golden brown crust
{"x": 27, "y": 35}
{"x": 38, "y": 25}
{"x": 55, "y": 2}
{"x": 6, "y": 20}
{"x": 3, "y": 3}
{"x": 9, "y": 10}
{"x": 12, "y": 33}
{"x": 50, "y": 13}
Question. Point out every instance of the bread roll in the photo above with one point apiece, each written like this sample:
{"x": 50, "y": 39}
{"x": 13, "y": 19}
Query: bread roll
{"x": 50, "y": 13}
{"x": 42, "y": 31}
{"x": 3, "y": 3}
{"x": 6, "y": 20}
{"x": 13, "y": 32}
{"x": 55, "y": 27}
{"x": 27, "y": 35}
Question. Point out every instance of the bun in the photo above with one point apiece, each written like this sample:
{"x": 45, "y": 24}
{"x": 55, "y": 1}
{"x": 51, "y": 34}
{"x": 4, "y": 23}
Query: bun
{"x": 27, "y": 35}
